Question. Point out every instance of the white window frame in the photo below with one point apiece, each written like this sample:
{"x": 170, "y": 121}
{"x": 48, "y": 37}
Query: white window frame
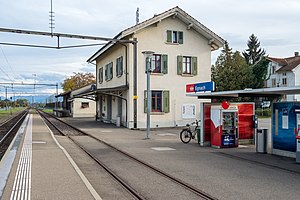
{"x": 154, "y": 101}
{"x": 100, "y": 75}
{"x": 284, "y": 81}
{"x": 119, "y": 66}
{"x": 186, "y": 65}
{"x": 109, "y": 68}
{"x": 155, "y": 62}
{"x": 85, "y": 105}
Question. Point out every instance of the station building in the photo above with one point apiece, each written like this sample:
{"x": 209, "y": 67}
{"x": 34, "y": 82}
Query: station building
{"x": 182, "y": 49}
{"x": 74, "y": 106}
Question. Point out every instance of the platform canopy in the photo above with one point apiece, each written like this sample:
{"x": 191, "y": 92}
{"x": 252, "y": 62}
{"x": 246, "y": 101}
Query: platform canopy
{"x": 261, "y": 92}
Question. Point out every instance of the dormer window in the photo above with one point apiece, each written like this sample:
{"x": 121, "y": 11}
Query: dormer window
{"x": 175, "y": 37}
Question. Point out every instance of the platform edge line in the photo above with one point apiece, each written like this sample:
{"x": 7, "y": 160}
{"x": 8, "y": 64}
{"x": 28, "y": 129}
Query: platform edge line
{"x": 79, "y": 172}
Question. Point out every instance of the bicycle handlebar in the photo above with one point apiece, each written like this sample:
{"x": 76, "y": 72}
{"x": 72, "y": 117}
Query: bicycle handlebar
{"x": 195, "y": 122}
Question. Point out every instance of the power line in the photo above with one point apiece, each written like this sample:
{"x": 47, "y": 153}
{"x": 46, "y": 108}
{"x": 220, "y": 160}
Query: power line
{"x": 13, "y": 83}
{"x": 6, "y": 74}
{"x": 11, "y": 68}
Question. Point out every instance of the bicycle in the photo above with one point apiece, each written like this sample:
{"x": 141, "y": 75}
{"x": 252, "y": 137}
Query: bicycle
{"x": 187, "y": 133}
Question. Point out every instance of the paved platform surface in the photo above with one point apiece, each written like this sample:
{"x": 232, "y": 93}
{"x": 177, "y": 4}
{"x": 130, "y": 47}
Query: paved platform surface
{"x": 228, "y": 173}
{"x": 231, "y": 173}
{"x": 41, "y": 170}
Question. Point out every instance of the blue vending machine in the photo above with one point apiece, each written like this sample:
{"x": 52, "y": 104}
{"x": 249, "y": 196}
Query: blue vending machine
{"x": 285, "y": 127}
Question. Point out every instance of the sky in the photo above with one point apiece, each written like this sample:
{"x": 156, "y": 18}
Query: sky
{"x": 274, "y": 22}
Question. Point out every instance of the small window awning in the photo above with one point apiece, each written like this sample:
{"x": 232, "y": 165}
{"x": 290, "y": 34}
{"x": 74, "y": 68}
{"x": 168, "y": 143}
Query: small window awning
{"x": 261, "y": 92}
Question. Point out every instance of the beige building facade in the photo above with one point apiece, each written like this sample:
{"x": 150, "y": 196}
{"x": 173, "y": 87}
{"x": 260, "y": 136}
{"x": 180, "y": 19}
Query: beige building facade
{"x": 75, "y": 106}
{"x": 181, "y": 49}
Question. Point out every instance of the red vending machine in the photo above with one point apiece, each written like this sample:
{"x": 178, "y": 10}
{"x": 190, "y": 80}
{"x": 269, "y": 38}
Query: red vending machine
{"x": 228, "y": 125}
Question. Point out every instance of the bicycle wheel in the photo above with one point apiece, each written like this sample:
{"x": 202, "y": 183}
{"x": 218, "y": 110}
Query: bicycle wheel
{"x": 185, "y": 136}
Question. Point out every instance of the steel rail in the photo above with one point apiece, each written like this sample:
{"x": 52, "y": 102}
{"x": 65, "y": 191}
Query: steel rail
{"x": 108, "y": 170}
{"x": 11, "y": 129}
{"x": 185, "y": 185}
{"x": 132, "y": 191}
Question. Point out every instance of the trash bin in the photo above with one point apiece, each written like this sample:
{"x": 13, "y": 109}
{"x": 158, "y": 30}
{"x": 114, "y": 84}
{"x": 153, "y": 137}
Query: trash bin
{"x": 261, "y": 140}
{"x": 198, "y": 135}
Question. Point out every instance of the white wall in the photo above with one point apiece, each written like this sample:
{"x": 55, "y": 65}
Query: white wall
{"x": 154, "y": 38}
{"x": 111, "y": 56}
{"x": 296, "y": 77}
{"x": 78, "y": 111}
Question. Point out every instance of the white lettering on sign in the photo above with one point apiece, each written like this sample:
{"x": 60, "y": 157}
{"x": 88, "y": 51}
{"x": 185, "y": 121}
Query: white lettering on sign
{"x": 200, "y": 88}
{"x": 192, "y": 88}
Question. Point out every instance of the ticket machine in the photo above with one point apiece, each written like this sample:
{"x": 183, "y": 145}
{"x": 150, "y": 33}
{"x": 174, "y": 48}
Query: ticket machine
{"x": 229, "y": 128}
{"x": 297, "y": 136}
{"x": 224, "y": 127}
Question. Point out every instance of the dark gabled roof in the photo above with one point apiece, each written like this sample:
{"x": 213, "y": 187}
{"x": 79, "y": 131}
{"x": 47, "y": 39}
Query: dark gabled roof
{"x": 89, "y": 88}
{"x": 288, "y": 64}
{"x": 214, "y": 39}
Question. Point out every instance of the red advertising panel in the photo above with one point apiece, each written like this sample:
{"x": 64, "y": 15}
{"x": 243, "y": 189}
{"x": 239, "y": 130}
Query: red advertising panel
{"x": 245, "y": 123}
{"x": 207, "y": 122}
{"x": 190, "y": 88}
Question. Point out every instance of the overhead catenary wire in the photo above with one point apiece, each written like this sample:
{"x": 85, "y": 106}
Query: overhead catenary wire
{"x": 9, "y": 65}
{"x": 6, "y": 74}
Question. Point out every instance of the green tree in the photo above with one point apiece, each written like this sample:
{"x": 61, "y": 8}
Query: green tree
{"x": 254, "y": 53}
{"x": 78, "y": 80}
{"x": 231, "y": 71}
{"x": 255, "y": 57}
{"x": 260, "y": 73}
{"x": 22, "y": 102}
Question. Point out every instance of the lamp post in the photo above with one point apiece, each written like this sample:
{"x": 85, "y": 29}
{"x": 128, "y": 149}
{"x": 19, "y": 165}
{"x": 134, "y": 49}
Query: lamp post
{"x": 6, "y": 98}
{"x": 33, "y": 89}
{"x": 148, "y": 55}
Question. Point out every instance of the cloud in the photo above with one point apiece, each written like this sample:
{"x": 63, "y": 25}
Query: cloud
{"x": 274, "y": 22}
{"x": 88, "y": 68}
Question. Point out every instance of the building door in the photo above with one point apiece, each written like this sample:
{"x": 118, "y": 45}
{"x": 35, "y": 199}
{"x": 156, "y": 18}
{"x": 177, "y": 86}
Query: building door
{"x": 120, "y": 109}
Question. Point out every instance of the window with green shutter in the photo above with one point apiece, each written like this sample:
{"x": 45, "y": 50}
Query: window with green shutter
{"x": 159, "y": 101}
{"x": 119, "y": 66}
{"x": 187, "y": 65}
{"x": 180, "y": 37}
{"x": 100, "y": 75}
{"x": 179, "y": 65}
{"x": 166, "y": 101}
{"x": 159, "y": 63}
{"x": 165, "y": 64}
{"x": 194, "y": 66}
{"x": 169, "y": 36}
{"x": 106, "y": 68}
{"x": 175, "y": 37}
{"x": 109, "y": 71}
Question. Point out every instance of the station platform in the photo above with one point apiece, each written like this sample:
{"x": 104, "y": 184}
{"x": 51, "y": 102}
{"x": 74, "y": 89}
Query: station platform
{"x": 128, "y": 140}
{"x": 37, "y": 167}
{"x": 46, "y": 171}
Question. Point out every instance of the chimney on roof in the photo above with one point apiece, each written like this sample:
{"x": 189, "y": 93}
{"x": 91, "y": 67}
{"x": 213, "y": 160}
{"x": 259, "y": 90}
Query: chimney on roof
{"x": 297, "y": 53}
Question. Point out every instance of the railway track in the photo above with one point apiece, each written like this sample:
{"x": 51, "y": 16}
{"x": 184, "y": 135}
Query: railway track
{"x": 8, "y": 130}
{"x": 70, "y": 131}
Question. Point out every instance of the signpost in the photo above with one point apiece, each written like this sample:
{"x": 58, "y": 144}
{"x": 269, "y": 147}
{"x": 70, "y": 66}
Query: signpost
{"x": 200, "y": 87}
